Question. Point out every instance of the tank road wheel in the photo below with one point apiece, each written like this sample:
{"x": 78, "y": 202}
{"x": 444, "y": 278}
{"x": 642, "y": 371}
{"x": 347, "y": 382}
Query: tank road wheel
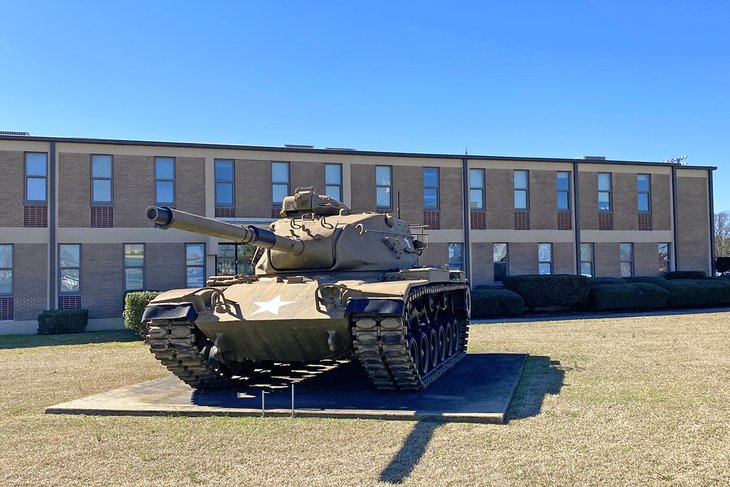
{"x": 424, "y": 355}
{"x": 443, "y": 346}
{"x": 449, "y": 342}
{"x": 413, "y": 352}
{"x": 455, "y": 338}
{"x": 434, "y": 348}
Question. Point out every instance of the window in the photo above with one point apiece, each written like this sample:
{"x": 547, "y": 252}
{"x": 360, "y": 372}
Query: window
{"x": 133, "y": 267}
{"x": 476, "y": 189}
{"x": 521, "y": 190}
{"x": 643, "y": 190}
{"x": 604, "y": 191}
{"x": 456, "y": 256}
{"x": 544, "y": 258}
{"x": 165, "y": 181}
{"x": 383, "y": 187}
{"x": 586, "y": 259}
{"x": 430, "y": 188}
{"x": 333, "y": 180}
{"x": 626, "y": 252}
{"x": 69, "y": 266}
{"x": 36, "y": 171}
{"x": 223, "y": 169}
{"x": 6, "y": 269}
{"x": 563, "y": 186}
{"x": 195, "y": 263}
{"x": 101, "y": 179}
{"x": 663, "y": 250}
{"x": 279, "y": 182}
{"x": 500, "y": 257}
{"x": 234, "y": 259}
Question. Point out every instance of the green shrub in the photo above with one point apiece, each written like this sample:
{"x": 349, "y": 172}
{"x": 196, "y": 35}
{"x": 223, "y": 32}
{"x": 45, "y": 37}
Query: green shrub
{"x": 594, "y": 281}
{"x": 486, "y": 302}
{"x": 722, "y": 264}
{"x": 685, "y": 275}
{"x": 692, "y": 293}
{"x": 134, "y": 304}
{"x": 627, "y": 296}
{"x": 57, "y": 321}
{"x": 550, "y": 290}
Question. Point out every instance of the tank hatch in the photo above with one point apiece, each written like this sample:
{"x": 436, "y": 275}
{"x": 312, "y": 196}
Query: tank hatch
{"x": 306, "y": 201}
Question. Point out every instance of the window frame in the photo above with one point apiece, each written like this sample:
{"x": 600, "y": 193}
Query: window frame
{"x": 459, "y": 245}
{"x": 390, "y": 186}
{"x": 647, "y": 193}
{"x": 437, "y": 188}
{"x": 125, "y": 267}
{"x": 542, "y": 262}
{"x": 217, "y": 181}
{"x": 525, "y": 190}
{"x": 609, "y": 191}
{"x": 166, "y": 180}
{"x": 26, "y": 177}
{"x": 591, "y": 262}
{"x": 328, "y": 184}
{"x": 481, "y": 189}
{"x": 566, "y": 191}
{"x": 95, "y": 202}
{"x": 61, "y": 268}
{"x": 188, "y": 266}
{"x": 506, "y": 261}
{"x": 276, "y": 204}
{"x": 10, "y": 269}
{"x": 622, "y": 261}
{"x": 669, "y": 256}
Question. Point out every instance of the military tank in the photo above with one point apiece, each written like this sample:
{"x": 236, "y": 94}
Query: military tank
{"x": 328, "y": 284}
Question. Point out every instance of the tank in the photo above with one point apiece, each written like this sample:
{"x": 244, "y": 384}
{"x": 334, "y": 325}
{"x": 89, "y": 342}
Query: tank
{"x": 329, "y": 284}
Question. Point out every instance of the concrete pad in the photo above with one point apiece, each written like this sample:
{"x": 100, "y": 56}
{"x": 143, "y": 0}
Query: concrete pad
{"x": 478, "y": 389}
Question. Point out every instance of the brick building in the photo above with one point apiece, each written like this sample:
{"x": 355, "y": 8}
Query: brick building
{"x": 73, "y": 231}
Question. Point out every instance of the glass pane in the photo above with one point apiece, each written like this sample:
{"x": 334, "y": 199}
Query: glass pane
{"x": 101, "y": 166}
{"x": 563, "y": 181}
{"x": 544, "y": 268}
{"x": 476, "y": 178}
{"x": 625, "y": 269}
{"x": 586, "y": 269}
{"x": 224, "y": 194}
{"x": 604, "y": 182}
{"x": 133, "y": 279}
{"x": 280, "y": 172}
{"x": 499, "y": 252}
{"x": 500, "y": 270}
{"x": 604, "y": 201}
{"x": 226, "y": 261}
{"x": 35, "y": 164}
{"x": 476, "y": 199}
{"x": 642, "y": 183}
{"x": 520, "y": 179}
{"x": 626, "y": 251}
{"x": 563, "y": 203}
{"x": 663, "y": 250}
{"x": 166, "y": 192}
{"x": 382, "y": 175}
{"x": 134, "y": 255}
{"x": 35, "y": 189}
{"x": 244, "y": 259}
{"x": 69, "y": 255}
{"x": 279, "y": 192}
{"x": 102, "y": 189}
{"x": 195, "y": 277}
{"x": 164, "y": 168}
{"x": 195, "y": 254}
{"x": 382, "y": 197}
{"x": 6, "y": 281}
{"x": 6, "y": 256}
{"x": 69, "y": 280}
{"x": 333, "y": 191}
{"x": 520, "y": 200}
{"x": 586, "y": 252}
{"x": 544, "y": 252}
{"x": 643, "y": 202}
{"x": 430, "y": 177}
{"x": 455, "y": 256}
{"x": 223, "y": 170}
{"x": 333, "y": 174}
{"x": 430, "y": 198}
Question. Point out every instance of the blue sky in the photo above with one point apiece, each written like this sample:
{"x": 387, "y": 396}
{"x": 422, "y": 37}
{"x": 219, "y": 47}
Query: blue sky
{"x": 629, "y": 80}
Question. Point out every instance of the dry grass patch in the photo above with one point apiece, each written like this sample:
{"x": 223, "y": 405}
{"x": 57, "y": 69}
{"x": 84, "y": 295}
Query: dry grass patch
{"x": 630, "y": 401}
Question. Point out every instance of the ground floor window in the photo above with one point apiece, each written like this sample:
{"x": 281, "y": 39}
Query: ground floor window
{"x": 626, "y": 253}
{"x": 6, "y": 269}
{"x": 456, "y": 256}
{"x": 234, "y": 259}
{"x": 664, "y": 258}
{"x": 500, "y": 257}
{"x": 69, "y": 268}
{"x": 195, "y": 263}
{"x": 544, "y": 258}
{"x": 133, "y": 267}
{"x": 586, "y": 259}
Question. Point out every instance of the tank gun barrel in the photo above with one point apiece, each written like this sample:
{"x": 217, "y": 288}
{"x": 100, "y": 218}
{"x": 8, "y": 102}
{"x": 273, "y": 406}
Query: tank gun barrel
{"x": 166, "y": 217}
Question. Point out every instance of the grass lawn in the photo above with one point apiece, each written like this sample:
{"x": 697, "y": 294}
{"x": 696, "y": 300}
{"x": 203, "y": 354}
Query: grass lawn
{"x": 625, "y": 401}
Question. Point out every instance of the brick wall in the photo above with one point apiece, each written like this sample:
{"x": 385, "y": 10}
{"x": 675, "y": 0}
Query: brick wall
{"x": 437, "y": 255}
{"x": 661, "y": 204}
{"x": 646, "y": 259}
{"x": 134, "y": 190}
{"x": 482, "y": 265}
{"x": 74, "y": 188}
{"x": 407, "y": 180}
{"x": 253, "y": 188}
{"x": 102, "y": 279}
{"x": 452, "y": 211}
{"x": 563, "y": 259}
{"x": 607, "y": 260}
{"x": 363, "y": 187}
{"x": 543, "y": 200}
{"x": 12, "y": 194}
{"x": 694, "y": 231}
{"x": 30, "y": 280}
{"x": 522, "y": 258}
{"x": 165, "y": 266}
{"x": 305, "y": 174}
{"x": 625, "y": 202}
{"x": 190, "y": 184}
{"x": 500, "y": 199}
{"x": 588, "y": 200}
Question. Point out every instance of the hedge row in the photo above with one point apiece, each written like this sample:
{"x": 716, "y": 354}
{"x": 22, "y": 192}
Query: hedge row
{"x": 134, "y": 304}
{"x": 56, "y": 321}
{"x": 551, "y": 290}
{"x": 487, "y": 303}
{"x": 639, "y": 295}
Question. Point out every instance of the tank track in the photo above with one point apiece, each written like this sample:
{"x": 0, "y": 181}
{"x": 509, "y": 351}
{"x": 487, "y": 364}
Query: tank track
{"x": 383, "y": 345}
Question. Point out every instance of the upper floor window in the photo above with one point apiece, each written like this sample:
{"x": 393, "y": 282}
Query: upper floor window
{"x": 195, "y": 264}
{"x": 333, "y": 180}
{"x": 476, "y": 189}
{"x": 431, "y": 188}
{"x": 279, "y": 182}
{"x": 643, "y": 190}
{"x": 521, "y": 185}
{"x": 69, "y": 268}
{"x": 456, "y": 256}
{"x": 586, "y": 259}
{"x": 101, "y": 179}
{"x": 626, "y": 254}
{"x": 604, "y": 191}
{"x": 6, "y": 269}
{"x": 223, "y": 182}
{"x": 500, "y": 257}
{"x": 165, "y": 181}
{"x": 36, "y": 172}
{"x": 544, "y": 258}
{"x": 664, "y": 257}
{"x": 563, "y": 186}
{"x": 133, "y": 267}
{"x": 384, "y": 187}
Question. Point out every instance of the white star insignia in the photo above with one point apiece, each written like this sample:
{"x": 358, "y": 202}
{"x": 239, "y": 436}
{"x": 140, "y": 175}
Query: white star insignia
{"x": 271, "y": 306}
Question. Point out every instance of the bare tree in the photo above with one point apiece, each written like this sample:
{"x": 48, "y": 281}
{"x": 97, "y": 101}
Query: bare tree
{"x": 722, "y": 234}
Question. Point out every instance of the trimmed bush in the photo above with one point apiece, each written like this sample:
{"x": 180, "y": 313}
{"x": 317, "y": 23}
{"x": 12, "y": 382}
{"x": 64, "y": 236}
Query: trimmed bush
{"x": 627, "y": 296}
{"x": 550, "y": 290}
{"x": 692, "y": 293}
{"x": 686, "y": 275}
{"x": 594, "y": 281}
{"x": 58, "y": 321}
{"x": 489, "y": 302}
{"x": 722, "y": 264}
{"x": 134, "y": 304}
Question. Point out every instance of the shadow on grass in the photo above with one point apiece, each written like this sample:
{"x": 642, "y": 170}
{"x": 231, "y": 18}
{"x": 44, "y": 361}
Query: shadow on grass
{"x": 540, "y": 377}
{"x": 414, "y": 446}
{"x": 31, "y": 341}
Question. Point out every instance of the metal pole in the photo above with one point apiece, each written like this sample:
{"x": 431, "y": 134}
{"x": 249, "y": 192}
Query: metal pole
{"x": 263, "y": 403}
{"x": 292, "y": 399}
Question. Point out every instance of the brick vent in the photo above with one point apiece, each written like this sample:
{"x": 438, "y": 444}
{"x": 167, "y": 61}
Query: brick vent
{"x": 645, "y": 221}
{"x": 35, "y": 216}
{"x": 565, "y": 220}
{"x": 479, "y": 220}
{"x": 225, "y": 212}
{"x": 432, "y": 218}
{"x": 69, "y": 302}
{"x": 102, "y": 216}
{"x": 6, "y": 308}
{"x": 522, "y": 220}
{"x": 605, "y": 221}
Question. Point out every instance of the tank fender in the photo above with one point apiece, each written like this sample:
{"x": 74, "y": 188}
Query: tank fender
{"x": 170, "y": 311}
{"x": 391, "y": 307}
